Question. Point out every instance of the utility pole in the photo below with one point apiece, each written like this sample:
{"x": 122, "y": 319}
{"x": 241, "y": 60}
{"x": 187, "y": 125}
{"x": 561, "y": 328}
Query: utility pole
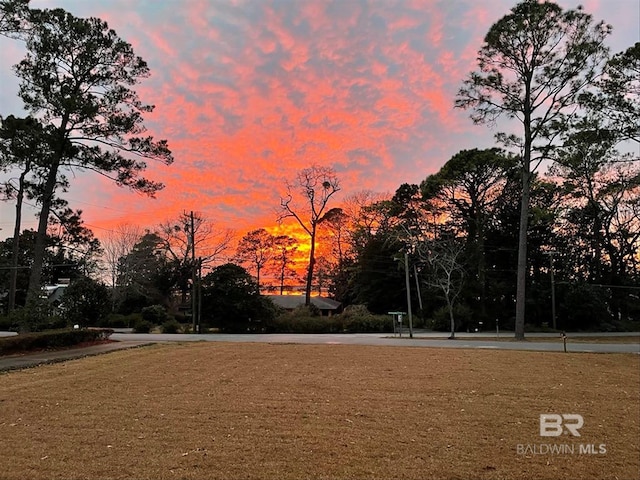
{"x": 415, "y": 274}
{"x": 553, "y": 289}
{"x": 199, "y": 293}
{"x": 194, "y": 305}
{"x": 406, "y": 271}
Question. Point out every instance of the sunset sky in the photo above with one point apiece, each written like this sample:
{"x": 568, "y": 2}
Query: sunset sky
{"x": 249, "y": 92}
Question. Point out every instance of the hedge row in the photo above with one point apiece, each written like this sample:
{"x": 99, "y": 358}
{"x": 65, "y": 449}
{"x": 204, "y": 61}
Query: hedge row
{"x": 288, "y": 323}
{"x": 50, "y": 340}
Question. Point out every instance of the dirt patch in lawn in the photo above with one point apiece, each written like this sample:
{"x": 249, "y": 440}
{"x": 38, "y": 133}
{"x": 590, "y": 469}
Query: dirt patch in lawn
{"x": 260, "y": 411}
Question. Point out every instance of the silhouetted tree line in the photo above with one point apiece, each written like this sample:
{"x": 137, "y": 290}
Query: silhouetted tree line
{"x": 551, "y": 212}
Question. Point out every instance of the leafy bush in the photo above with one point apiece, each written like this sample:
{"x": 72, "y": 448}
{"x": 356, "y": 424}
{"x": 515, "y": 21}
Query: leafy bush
{"x": 117, "y": 320}
{"x": 291, "y": 323}
{"x": 132, "y": 319}
{"x": 358, "y": 319}
{"x": 232, "y": 303}
{"x": 171, "y": 326}
{"x": 462, "y": 316}
{"x": 356, "y": 311}
{"x": 114, "y": 320}
{"x": 8, "y": 324}
{"x": 369, "y": 324}
{"x": 37, "y": 316}
{"x": 50, "y": 339}
{"x": 307, "y": 311}
{"x": 155, "y": 314}
{"x": 353, "y": 320}
{"x": 86, "y": 302}
{"x": 142, "y": 326}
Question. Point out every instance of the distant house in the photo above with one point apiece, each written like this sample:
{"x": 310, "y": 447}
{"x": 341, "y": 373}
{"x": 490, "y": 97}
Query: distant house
{"x": 327, "y": 306}
{"x": 54, "y": 293}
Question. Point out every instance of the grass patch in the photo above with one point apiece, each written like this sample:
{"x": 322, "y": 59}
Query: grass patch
{"x": 260, "y": 411}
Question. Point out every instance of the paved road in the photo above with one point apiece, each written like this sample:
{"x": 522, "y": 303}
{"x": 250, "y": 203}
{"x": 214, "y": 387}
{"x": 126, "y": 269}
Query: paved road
{"x": 420, "y": 340}
{"x": 484, "y": 340}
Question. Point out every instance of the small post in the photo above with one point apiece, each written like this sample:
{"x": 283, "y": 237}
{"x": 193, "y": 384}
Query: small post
{"x": 564, "y": 341}
{"x": 497, "y": 329}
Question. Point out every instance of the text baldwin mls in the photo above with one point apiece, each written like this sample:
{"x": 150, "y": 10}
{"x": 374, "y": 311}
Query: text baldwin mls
{"x": 554, "y": 425}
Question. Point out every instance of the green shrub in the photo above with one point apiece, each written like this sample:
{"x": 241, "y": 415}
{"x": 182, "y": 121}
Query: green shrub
{"x": 355, "y": 319}
{"x": 37, "y": 316}
{"x": 306, "y": 311}
{"x": 358, "y": 319}
{"x": 462, "y": 316}
{"x": 114, "y": 320}
{"x": 155, "y": 314}
{"x": 142, "y": 326}
{"x": 86, "y": 302}
{"x": 132, "y": 319}
{"x": 118, "y": 320}
{"x": 8, "y": 324}
{"x": 50, "y": 339}
{"x": 368, "y": 324}
{"x": 356, "y": 311}
{"x": 171, "y": 326}
{"x": 291, "y": 323}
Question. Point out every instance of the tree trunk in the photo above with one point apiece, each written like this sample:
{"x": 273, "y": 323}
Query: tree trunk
{"x": 15, "y": 248}
{"x": 35, "y": 278}
{"x": 312, "y": 261}
{"x": 482, "y": 271}
{"x": 521, "y": 277}
{"x": 282, "y": 280}
{"x": 451, "y": 319}
{"x": 522, "y": 255}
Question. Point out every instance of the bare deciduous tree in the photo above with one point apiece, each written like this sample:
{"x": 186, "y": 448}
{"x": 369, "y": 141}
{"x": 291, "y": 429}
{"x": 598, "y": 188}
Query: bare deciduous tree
{"x": 117, "y": 244}
{"x": 446, "y": 271}
{"x": 192, "y": 238}
{"x": 284, "y": 249}
{"x": 315, "y": 186}
{"x": 256, "y": 249}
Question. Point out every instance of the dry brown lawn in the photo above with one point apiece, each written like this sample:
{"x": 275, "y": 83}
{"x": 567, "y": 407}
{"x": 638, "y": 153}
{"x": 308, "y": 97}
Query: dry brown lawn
{"x": 261, "y": 411}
